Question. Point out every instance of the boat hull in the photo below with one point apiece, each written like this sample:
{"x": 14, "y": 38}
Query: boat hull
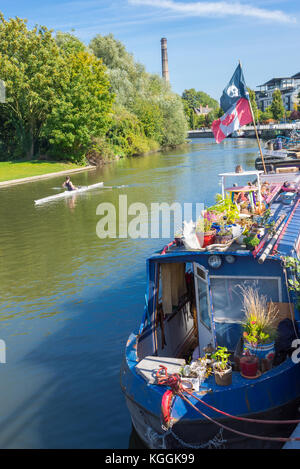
{"x": 273, "y": 163}
{"x": 203, "y": 435}
{"x": 274, "y": 396}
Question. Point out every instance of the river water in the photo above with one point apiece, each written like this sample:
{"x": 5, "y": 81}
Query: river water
{"x": 69, "y": 300}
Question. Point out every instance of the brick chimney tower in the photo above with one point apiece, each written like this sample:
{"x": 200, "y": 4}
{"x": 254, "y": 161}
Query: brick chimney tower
{"x": 164, "y": 59}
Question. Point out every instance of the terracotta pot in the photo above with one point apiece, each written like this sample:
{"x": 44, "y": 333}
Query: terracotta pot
{"x": 249, "y": 366}
{"x": 223, "y": 378}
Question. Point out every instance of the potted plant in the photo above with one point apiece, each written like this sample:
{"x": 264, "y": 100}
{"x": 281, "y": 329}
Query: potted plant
{"x": 251, "y": 241}
{"x": 260, "y": 324}
{"x": 205, "y": 232}
{"x": 222, "y": 368}
{"x": 293, "y": 265}
{"x": 224, "y": 235}
{"x": 249, "y": 365}
{"x": 225, "y": 207}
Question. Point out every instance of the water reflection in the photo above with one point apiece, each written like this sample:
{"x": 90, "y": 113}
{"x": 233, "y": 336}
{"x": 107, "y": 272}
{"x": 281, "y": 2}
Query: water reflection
{"x": 69, "y": 300}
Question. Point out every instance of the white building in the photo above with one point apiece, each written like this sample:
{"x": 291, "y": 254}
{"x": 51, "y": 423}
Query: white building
{"x": 289, "y": 87}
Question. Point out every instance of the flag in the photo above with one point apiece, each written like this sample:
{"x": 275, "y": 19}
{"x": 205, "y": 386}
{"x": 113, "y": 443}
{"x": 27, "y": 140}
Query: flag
{"x": 236, "y": 106}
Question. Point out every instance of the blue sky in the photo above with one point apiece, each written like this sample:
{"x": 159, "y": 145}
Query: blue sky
{"x": 205, "y": 38}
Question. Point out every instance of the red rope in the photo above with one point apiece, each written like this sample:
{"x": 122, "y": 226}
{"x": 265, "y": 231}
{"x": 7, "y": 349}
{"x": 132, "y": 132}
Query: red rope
{"x": 245, "y": 419}
{"x": 247, "y": 435}
{"x": 167, "y": 247}
{"x": 174, "y": 382}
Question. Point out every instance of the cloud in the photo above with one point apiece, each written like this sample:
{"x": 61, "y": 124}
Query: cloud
{"x": 217, "y": 9}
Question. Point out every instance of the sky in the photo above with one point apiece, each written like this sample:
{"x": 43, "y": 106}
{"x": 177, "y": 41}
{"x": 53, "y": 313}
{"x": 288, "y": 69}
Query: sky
{"x": 206, "y": 39}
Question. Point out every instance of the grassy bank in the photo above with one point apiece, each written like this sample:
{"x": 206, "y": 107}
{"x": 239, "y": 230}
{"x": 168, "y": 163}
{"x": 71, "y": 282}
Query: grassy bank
{"x": 10, "y": 170}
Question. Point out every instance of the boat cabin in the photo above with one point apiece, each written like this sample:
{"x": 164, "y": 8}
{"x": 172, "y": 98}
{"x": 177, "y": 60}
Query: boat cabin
{"x": 195, "y": 297}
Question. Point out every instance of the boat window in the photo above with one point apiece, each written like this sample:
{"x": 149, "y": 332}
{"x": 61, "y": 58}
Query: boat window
{"x": 228, "y": 298}
{"x": 203, "y": 304}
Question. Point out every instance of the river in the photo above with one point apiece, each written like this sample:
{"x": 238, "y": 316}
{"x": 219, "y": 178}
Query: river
{"x": 69, "y": 300}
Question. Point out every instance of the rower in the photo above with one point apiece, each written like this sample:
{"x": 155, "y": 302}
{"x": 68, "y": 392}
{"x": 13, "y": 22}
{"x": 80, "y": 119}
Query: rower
{"x": 68, "y": 184}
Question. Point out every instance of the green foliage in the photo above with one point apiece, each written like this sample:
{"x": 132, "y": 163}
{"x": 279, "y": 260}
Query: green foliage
{"x": 226, "y": 208}
{"x": 293, "y": 264}
{"x": 251, "y": 241}
{"x": 66, "y": 100}
{"x": 126, "y": 134}
{"x": 153, "y": 113}
{"x": 69, "y": 43}
{"x": 254, "y": 336}
{"x": 83, "y": 109}
{"x": 277, "y": 106}
{"x": 266, "y": 115}
{"x": 194, "y": 99}
{"x": 253, "y": 103}
{"x": 221, "y": 356}
{"x": 58, "y": 95}
{"x": 32, "y": 68}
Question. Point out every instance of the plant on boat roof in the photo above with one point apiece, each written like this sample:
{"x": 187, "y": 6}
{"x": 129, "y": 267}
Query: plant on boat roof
{"x": 293, "y": 265}
{"x": 261, "y": 317}
{"x": 223, "y": 230}
{"x": 251, "y": 240}
{"x": 205, "y": 224}
{"x": 221, "y": 357}
{"x": 226, "y": 207}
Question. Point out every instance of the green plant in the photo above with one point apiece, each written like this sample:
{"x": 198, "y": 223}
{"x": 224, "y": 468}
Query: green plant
{"x": 205, "y": 224}
{"x": 251, "y": 241}
{"x": 293, "y": 265}
{"x": 225, "y": 207}
{"x": 221, "y": 357}
{"x": 261, "y": 316}
{"x": 224, "y": 231}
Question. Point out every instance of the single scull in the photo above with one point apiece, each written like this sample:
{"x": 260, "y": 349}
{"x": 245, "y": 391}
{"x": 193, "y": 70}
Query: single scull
{"x": 61, "y": 195}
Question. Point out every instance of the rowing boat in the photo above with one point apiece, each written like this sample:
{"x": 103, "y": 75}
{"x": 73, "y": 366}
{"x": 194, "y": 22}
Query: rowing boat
{"x": 61, "y": 195}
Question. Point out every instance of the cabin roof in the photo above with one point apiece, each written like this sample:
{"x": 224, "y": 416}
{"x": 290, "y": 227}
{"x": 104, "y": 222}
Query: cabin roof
{"x": 287, "y": 243}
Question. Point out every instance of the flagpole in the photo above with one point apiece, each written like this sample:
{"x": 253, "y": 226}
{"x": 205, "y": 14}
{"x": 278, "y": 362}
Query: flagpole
{"x": 256, "y": 133}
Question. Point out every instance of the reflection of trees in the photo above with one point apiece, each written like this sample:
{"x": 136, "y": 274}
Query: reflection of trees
{"x": 52, "y": 251}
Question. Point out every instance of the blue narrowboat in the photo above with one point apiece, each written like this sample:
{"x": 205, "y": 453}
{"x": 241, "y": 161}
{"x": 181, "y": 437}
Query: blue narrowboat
{"x": 193, "y": 302}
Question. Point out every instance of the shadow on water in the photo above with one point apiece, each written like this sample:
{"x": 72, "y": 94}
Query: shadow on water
{"x": 68, "y": 301}
{"x": 80, "y": 404}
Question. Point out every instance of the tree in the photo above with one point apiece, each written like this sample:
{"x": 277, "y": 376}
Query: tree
{"x": 83, "y": 108}
{"x": 193, "y": 99}
{"x": 159, "y": 112}
{"x": 69, "y": 43}
{"x": 31, "y": 66}
{"x": 277, "y": 106}
{"x": 253, "y": 103}
{"x": 267, "y": 115}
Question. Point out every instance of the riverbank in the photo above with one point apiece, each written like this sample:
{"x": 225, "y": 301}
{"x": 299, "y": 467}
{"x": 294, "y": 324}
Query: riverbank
{"x": 19, "y": 172}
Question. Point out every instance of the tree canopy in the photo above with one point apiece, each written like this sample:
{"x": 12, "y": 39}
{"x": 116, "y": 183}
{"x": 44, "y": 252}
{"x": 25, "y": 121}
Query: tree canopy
{"x": 58, "y": 95}
{"x": 65, "y": 99}
{"x": 192, "y": 100}
{"x": 141, "y": 97}
{"x": 277, "y": 107}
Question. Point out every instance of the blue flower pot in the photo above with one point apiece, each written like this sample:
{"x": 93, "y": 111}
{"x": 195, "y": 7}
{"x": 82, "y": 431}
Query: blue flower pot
{"x": 263, "y": 352}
